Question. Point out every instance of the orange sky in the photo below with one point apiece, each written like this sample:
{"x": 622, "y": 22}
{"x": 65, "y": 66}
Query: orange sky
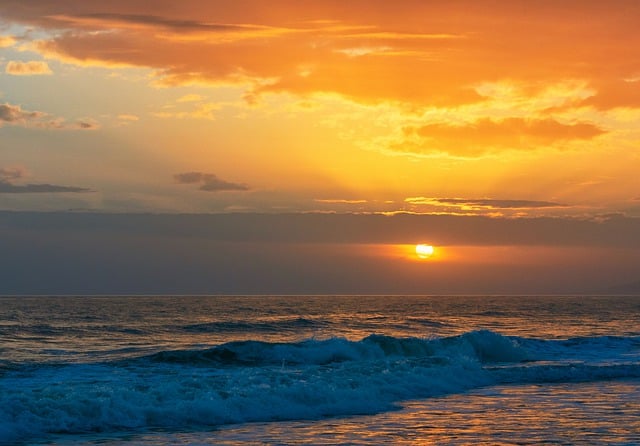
{"x": 504, "y": 109}
{"x": 323, "y": 105}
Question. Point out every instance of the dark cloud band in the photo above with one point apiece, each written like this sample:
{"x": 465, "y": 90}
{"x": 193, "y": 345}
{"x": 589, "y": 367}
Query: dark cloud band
{"x": 9, "y": 175}
{"x": 8, "y": 188}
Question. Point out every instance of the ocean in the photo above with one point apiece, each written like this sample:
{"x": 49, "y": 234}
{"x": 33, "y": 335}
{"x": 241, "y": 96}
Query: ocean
{"x": 286, "y": 370}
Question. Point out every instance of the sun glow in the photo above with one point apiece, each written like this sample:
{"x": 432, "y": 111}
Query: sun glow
{"x": 424, "y": 251}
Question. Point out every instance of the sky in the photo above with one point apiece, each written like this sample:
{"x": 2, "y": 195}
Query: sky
{"x": 516, "y": 121}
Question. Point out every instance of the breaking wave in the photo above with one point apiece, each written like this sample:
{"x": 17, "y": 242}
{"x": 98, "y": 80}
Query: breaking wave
{"x": 264, "y": 381}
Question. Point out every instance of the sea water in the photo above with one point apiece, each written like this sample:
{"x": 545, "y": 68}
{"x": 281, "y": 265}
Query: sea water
{"x": 212, "y": 370}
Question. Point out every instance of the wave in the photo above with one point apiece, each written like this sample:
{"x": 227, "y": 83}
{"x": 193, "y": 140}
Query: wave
{"x": 261, "y": 381}
{"x": 483, "y": 346}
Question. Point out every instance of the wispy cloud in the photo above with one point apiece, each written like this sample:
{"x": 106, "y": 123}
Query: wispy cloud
{"x": 209, "y": 182}
{"x": 31, "y": 68}
{"x": 15, "y": 115}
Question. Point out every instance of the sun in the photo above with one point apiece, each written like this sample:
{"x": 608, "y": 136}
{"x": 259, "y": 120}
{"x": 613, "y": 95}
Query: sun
{"x": 424, "y": 251}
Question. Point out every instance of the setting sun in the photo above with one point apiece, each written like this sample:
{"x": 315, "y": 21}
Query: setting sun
{"x": 424, "y": 251}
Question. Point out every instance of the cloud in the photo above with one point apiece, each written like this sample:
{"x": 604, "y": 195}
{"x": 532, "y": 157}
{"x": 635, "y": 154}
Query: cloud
{"x": 209, "y": 182}
{"x": 503, "y": 132}
{"x": 61, "y": 124}
{"x": 8, "y": 188}
{"x": 483, "y": 203}
{"x": 31, "y": 68}
{"x": 486, "y": 135}
{"x": 10, "y": 174}
{"x": 135, "y": 21}
{"x": 85, "y": 124}
{"x": 15, "y": 115}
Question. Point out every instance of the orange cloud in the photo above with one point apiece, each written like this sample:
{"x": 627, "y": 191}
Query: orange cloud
{"x": 486, "y": 135}
{"x": 426, "y": 53}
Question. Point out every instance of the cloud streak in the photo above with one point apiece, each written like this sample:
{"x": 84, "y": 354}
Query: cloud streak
{"x": 483, "y": 203}
{"x": 209, "y": 182}
{"x": 137, "y": 21}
